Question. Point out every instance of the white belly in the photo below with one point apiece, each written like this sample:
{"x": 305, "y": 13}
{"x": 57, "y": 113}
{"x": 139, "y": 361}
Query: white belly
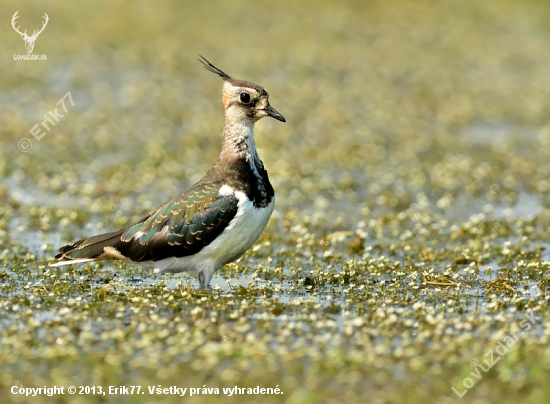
{"x": 241, "y": 233}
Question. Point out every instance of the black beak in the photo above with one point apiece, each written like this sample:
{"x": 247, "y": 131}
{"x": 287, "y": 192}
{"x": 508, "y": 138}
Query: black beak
{"x": 274, "y": 114}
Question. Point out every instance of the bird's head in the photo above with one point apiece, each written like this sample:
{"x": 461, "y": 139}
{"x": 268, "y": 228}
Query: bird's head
{"x": 243, "y": 100}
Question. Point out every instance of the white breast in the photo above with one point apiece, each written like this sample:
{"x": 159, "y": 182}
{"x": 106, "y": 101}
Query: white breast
{"x": 241, "y": 233}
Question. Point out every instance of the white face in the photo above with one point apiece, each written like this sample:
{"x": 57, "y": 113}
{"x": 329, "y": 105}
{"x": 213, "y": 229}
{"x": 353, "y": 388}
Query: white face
{"x": 243, "y": 102}
{"x": 241, "y": 99}
{"x": 247, "y": 103}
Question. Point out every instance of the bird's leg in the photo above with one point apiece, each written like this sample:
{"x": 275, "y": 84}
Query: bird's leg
{"x": 92, "y": 280}
{"x": 204, "y": 280}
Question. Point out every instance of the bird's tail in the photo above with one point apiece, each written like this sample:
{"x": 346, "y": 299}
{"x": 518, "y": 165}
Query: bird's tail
{"x": 89, "y": 249}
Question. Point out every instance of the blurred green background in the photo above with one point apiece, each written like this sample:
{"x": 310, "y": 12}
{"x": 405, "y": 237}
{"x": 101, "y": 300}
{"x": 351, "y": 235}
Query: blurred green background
{"x": 417, "y": 143}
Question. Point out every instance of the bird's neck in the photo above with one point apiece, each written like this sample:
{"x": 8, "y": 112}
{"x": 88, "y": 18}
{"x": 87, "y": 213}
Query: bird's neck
{"x": 239, "y": 143}
{"x": 239, "y": 165}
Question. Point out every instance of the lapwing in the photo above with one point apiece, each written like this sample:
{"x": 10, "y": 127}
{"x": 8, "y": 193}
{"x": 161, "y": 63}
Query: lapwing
{"x": 215, "y": 221}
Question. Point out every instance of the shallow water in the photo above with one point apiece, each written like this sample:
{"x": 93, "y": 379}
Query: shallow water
{"x": 410, "y": 234}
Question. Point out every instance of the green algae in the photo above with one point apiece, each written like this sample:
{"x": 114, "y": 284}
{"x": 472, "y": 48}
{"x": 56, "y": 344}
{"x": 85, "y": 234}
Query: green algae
{"x": 410, "y": 235}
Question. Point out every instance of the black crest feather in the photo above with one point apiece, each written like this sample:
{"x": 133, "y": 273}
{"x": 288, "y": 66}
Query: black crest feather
{"x": 210, "y": 67}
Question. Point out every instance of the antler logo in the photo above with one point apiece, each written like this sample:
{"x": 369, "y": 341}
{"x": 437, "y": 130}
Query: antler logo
{"x": 29, "y": 40}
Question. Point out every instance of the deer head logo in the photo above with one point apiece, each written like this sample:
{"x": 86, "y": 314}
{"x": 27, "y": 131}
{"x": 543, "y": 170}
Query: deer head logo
{"x": 29, "y": 40}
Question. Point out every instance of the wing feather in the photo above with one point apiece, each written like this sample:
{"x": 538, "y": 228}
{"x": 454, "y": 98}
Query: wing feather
{"x": 181, "y": 227}
{"x": 178, "y": 228}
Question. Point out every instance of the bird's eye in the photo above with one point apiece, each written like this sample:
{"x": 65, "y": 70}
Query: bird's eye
{"x": 245, "y": 98}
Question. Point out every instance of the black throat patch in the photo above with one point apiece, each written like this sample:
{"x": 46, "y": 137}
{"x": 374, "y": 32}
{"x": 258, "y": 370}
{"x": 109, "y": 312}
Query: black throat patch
{"x": 255, "y": 184}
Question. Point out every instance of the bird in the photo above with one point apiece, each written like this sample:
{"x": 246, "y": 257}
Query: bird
{"x": 216, "y": 220}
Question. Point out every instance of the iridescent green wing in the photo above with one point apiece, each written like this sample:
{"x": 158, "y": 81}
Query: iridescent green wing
{"x": 182, "y": 226}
